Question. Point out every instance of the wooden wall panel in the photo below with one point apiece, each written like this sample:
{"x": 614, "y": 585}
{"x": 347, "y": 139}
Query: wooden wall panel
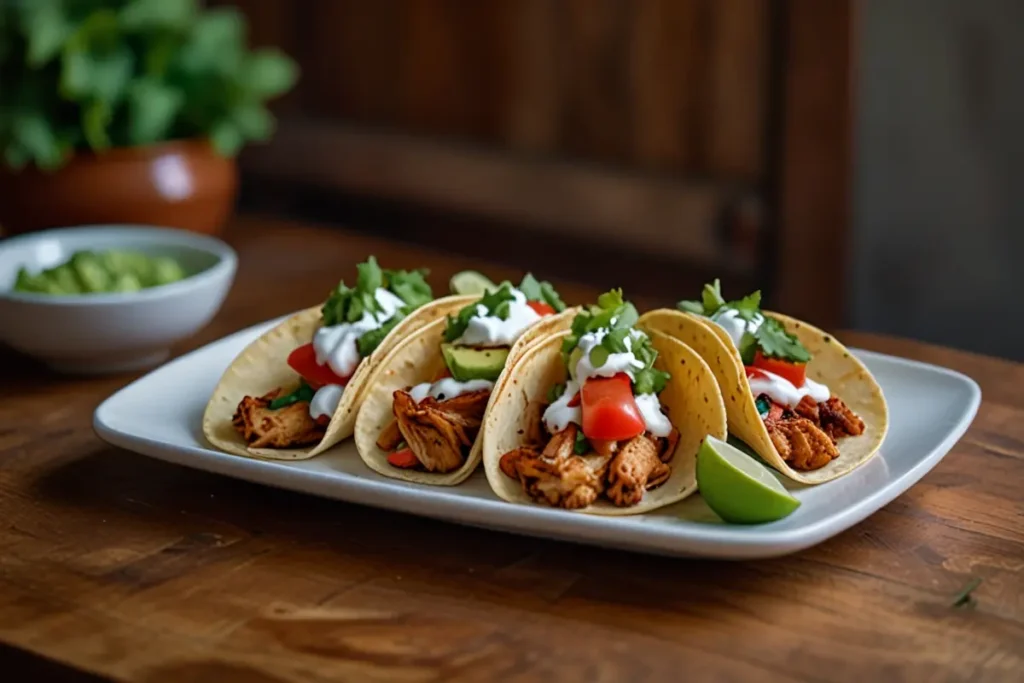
{"x": 662, "y": 85}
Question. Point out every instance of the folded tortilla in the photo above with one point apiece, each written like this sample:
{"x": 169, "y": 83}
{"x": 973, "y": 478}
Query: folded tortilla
{"x": 262, "y": 367}
{"x": 831, "y": 364}
{"x": 691, "y": 396}
{"x": 418, "y": 359}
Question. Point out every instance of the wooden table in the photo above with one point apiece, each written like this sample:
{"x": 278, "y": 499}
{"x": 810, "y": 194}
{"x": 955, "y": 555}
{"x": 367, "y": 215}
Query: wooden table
{"x": 134, "y": 569}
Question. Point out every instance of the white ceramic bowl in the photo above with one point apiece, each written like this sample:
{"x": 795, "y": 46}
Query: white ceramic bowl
{"x": 101, "y": 333}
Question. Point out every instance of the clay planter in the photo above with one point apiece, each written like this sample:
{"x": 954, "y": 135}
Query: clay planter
{"x": 179, "y": 184}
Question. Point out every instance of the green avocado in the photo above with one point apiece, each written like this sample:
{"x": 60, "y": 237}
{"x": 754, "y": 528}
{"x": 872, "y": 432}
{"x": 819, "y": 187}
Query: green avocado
{"x": 466, "y": 363}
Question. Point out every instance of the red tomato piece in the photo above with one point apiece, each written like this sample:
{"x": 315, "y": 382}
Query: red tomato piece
{"x": 794, "y": 372}
{"x": 574, "y": 401}
{"x": 303, "y": 361}
{"x": 541, "y": 308}
{"x": 755, "y": 372}
{"x": 610, "y": 412}
{"x": 404, "y": 459}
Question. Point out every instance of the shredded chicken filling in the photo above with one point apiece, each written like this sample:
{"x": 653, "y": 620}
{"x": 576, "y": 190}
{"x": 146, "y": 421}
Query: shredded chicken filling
{"x": 806, "y": 436}
{"x": 288, "y": 427}
{"x": 439, "y": 433}
{"x": 621, "y": 471}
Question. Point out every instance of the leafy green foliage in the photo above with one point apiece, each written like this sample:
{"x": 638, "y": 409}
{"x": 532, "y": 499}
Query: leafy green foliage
{"x": 303, "y": 392}
{"x": 96, "y": 74}
{"x": 617, "y": 316}
{"x": 541, "y": 290}
{"x": 348, "y": 304}
{"x": 770, "y": 337}
{"x": 555, "y": 391}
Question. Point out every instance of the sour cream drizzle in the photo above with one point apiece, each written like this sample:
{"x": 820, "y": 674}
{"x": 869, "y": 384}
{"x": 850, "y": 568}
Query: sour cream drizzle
{"x": 729, "y": 320}
{"x": 617, "y": 362}
{"x": 490, "y": 330}
{"x": 335, "y": 345}
{"x": 559, "y": 414}
{"x": 783, "y": 392}
{"x": 448, "y": 388}
{"x": 325, "y": 401}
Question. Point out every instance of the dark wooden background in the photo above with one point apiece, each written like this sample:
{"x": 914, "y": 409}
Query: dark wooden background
{"x": 644, "y": 143}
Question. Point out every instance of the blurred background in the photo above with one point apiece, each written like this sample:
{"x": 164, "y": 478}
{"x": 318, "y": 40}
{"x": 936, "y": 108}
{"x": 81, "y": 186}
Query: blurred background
{"x": 858, "y": 161}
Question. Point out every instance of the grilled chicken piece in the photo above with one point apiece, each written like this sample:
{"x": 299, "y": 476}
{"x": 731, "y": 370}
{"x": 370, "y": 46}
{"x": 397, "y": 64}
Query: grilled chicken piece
{"x": 807, "y": 408}
{"x": 557, "y": 476}
{"x": 533, "y": 433}
{"x": 802, "y": 444}
{"x": 637, "y": 468}
{"x": 389, "y": 437}
{"x": 288, "y": 427}
{"x": 837, "y": 420}
{"x": 438, "y": 431}
{"x": 667, "y": 445}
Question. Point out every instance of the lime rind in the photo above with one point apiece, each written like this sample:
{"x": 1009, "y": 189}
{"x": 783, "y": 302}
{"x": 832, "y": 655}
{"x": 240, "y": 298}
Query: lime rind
{"x": 738, "y": 488}
{"x": 470, "y": 282}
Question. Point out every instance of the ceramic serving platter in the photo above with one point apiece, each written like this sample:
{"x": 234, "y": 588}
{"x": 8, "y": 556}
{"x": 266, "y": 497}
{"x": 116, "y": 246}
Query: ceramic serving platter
{"x": 930, "y": 407}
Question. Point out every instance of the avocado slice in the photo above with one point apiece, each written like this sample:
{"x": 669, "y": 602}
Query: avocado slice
{"x": 466, "y": 363}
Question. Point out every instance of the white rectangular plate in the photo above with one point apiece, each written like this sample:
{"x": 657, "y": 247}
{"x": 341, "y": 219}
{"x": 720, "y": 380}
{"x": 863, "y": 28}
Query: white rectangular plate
{"x": 160, "y": 415}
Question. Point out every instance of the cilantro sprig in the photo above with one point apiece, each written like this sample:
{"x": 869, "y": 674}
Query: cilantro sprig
{"x": 348, "y": 304}
{"x": 541, "y": 290}
{"x": 497, "y": 302}
{"x": 617, "y": 316}
{"x": 770, "y": 337}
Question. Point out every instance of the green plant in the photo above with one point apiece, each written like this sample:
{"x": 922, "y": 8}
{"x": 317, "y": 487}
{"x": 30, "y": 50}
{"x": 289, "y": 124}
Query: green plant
{"x": 96, "y": 74}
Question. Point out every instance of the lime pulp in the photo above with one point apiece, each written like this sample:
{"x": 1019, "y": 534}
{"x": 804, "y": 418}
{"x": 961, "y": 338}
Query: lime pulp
{"x": 738, "y": 488}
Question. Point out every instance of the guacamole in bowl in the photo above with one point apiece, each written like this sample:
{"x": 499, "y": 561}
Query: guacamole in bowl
{"x": 94, "y": 272}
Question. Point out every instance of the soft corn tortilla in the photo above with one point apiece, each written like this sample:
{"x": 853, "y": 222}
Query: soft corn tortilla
{"x": 831, "y": 364}
{"x": 263, "y": 367}
{"x": 692, "y": 399}
{"x": 416, "y": 360}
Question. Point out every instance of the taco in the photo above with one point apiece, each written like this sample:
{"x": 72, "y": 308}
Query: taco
{"x": 605, "y": 418}
{"x": 421, "y": 418}
{"x": 294, "y": 392}
{"x": 795, "y": 395}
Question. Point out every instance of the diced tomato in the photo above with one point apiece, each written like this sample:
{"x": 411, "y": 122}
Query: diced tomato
{"x": 574, "y": 401}
{"x": 794, "y": 372}
{"x": 541, "y": 308}
{"x": 609, "y": 409}
{"x": 404, "y": 459}
{"x": 303, "y": 361}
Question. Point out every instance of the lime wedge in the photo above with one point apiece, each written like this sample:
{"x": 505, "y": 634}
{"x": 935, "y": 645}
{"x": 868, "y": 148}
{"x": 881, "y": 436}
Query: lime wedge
{"x": 470, "y": 282}
{"x": 737, "y": 487}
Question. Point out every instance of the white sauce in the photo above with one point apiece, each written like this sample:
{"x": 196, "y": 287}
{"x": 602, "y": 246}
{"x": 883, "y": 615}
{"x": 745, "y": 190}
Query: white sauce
{"x": 617, "y": 362}
{"x": 650, "y": 408}
{"x": 490, "y": 330}
{"x": 729, "y": 320}
{"x": 325, "y": 401}
{"x": 335, "y": 345}
{"x": 448, "y": 388}
{"x": 782, "y": 391}
{"x": 559, "y": 414}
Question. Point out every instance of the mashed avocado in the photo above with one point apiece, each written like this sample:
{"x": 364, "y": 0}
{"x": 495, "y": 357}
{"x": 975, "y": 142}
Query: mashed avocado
{"x": 88, "y": 272}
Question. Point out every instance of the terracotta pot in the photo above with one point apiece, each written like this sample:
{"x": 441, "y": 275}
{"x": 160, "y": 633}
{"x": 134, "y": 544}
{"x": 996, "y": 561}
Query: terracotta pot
{"x": 178, "y": 184}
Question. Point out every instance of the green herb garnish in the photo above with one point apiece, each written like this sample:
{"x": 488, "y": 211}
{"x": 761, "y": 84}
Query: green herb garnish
{"x": 771, "y": 337}
{"x": 348, "y": 305}
{"x": 581, "y": 446}
{"x": 303, "y": 392}
{"x": 555, "y": 392}
{"x": 617, "y": 316}
{"x": 965, "y": 596}
{"x": 541, "y": 290}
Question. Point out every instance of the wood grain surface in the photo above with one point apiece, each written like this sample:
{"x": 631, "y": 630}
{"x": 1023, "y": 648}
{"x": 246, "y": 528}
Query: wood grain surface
{"x": 133, "y": 569}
